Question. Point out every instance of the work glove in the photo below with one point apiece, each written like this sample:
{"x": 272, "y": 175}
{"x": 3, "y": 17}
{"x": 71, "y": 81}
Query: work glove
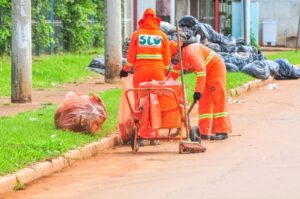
{"x": 123, "y": 73}
{"x": 197, "y": 96}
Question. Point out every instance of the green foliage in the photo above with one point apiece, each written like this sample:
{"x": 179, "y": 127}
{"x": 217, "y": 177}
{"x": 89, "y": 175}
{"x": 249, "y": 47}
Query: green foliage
{"x": 49, "y": 71}
{"x": 253, "y": 41}
{"x": 5, "y": 26}
{"x": 41, "y": 29}
{"x": 82, "y": 25}
{"x": 77, "y": 27}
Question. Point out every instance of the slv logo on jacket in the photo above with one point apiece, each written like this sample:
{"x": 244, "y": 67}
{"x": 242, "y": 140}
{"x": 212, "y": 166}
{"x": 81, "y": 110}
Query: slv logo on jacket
{"x": 150, "y": 41}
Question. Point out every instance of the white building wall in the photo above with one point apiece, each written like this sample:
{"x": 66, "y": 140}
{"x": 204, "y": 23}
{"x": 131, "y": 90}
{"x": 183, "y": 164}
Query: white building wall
{"x": 286, "y": 13}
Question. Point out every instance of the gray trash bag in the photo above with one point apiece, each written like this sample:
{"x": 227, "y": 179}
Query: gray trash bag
{"x": 236, "y": 59}
{"x": 125, "y": 47}
{"x": 273, "y": 66}
{"x": 286, "y": 70}
{"x": 213, "y": 36}
{"x": 201, "y": 30}
{"x": 257, "y": 69}
{"x": 97, "y": 65}
{"x": 240, "y": 41}
{"x": 166, "y": 27}
{"x": 228, "y": 44}
{"x": 187, "y": 21}
{"x": 188, "y": 32}
{"x": 231, "y": 67}
{"x": 215, "y": 47}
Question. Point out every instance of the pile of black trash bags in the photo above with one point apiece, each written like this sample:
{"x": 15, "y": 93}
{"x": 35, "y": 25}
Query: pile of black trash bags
{"x": 236, "y": 55}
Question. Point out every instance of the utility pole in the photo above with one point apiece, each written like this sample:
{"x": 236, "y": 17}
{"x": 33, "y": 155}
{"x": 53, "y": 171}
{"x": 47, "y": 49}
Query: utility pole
{"x": 247, "y": 19}
{"x": 21, "y": 81}
{"x": 128, "y": 18}
{"x": 113, "y": 40}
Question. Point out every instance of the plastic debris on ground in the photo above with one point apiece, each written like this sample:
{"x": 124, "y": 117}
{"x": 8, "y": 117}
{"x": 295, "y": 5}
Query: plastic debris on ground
{"x": 271, "y": 86}
{"x": 81, "y": 113}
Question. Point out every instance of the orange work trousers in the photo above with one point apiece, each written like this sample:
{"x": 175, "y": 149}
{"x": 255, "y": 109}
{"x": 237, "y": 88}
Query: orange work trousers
{"x": 146, "y": 73}
{"x": 213, "y": 110}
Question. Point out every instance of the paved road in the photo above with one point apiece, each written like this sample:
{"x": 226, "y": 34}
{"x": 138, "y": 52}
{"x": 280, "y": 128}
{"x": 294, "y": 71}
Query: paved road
{"x": 262, "y": 163}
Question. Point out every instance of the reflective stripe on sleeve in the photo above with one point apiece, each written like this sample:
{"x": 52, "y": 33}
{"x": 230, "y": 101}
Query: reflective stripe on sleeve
{"x": 209, "y": 57}
{"x": 201, "y": 74}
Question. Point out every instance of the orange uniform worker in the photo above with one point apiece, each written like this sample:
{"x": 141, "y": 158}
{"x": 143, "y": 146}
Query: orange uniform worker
{"x": 148, "y": 51}
{"x": 210, "y": 88}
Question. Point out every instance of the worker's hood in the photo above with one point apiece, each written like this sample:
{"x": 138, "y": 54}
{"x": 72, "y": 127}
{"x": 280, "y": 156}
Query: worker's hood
{"x": 149, "y": 20}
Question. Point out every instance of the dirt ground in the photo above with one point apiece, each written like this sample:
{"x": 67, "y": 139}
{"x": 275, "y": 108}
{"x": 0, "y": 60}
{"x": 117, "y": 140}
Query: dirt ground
{"x": 262, "y": 163}
{"x": 93, "y": 84}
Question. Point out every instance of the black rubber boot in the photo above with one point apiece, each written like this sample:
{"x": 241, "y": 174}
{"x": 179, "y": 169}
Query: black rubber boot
{"x": 220, "y": 136}
{"x": 204, "y": 137}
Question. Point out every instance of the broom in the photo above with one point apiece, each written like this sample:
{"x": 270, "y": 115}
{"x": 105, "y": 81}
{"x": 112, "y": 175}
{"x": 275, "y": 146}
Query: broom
{"x": 186, "y": 146}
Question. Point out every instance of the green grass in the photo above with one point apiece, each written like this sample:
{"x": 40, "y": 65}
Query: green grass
{"x": 234, "y": 79}
{"x": 30, "y": 137}
{"x": 291, "y": 56}
{"x": 49, "y": 71}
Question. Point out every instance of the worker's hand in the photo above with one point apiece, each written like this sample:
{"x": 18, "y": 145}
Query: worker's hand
{"x": 123, "y": 73}
{"x": 197, "y": 96}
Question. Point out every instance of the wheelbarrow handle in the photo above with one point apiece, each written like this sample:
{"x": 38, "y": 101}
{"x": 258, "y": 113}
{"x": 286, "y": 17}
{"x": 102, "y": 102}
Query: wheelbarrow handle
{"x": 191, "y": 107}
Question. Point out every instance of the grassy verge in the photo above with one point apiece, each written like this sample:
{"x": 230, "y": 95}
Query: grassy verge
{"x": 49, "y": 71}
{"x": 294, "y": 58}
{"x": 31, "y": 136}
{"x": 233, "y": 80}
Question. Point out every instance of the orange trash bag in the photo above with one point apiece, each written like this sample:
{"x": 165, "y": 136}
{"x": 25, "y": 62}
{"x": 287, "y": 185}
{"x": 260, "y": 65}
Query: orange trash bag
{"x": 81, "y": 113}
{"x": 155, "y": 112}
{"x": 125, "y": 120}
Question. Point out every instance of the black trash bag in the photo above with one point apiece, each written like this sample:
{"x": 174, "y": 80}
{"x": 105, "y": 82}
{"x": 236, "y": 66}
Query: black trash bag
{"x": 243, "y": 48}
{"x": 260, "y": 56}
{"x": 228, "y": 44}
{"x": 166, "y": 27}
{"x": 215, "y": 47}
{"x": 257, "y": 69}
{"x": 273, "y": 66}
{"x": 187, "y": 21}
{"x": 236, "y": 59}
{"x": 213, "y": 36}
{"x": 201, "y": 30}
{"x": 125, "y": 47}
{"x": 188, "y": 32}
{"x": 97, "y": 65}
{"x": 231, "y": 67}
{"x": 240, "y": 41}
{"x": 286, "y": 70}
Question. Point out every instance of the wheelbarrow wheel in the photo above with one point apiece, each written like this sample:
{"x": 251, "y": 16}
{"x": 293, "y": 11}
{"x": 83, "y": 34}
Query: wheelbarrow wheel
{"x": 195, "y": 134}
{"x": 137, "y": 146}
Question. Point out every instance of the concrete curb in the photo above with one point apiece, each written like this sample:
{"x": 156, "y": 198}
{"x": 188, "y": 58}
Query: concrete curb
{"x": 46, "y": 168}
{"x": 42, "y": 169}
{"x": 249, "y": 86}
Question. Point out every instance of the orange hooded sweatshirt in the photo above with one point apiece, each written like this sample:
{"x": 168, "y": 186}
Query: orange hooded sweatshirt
{"x": 149, "y": 46}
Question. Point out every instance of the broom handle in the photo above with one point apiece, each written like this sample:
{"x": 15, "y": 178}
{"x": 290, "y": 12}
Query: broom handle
{"x": 186, "y": 120}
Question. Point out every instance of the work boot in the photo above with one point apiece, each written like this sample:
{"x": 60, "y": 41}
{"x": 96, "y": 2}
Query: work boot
{"x": 204, "y": 137}
{"x": 154, "y": 142}
{"x": 219, "y": 136}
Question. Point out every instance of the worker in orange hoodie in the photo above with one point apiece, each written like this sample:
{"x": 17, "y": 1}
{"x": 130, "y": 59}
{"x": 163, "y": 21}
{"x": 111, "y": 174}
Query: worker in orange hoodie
{"x": 148, "y": 52}
{"x": 210, "y": 91}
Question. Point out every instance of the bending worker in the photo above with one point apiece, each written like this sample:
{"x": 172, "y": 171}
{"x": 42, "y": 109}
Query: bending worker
{"x": 148, "y": 52}
{"x": 210, "y": 92}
